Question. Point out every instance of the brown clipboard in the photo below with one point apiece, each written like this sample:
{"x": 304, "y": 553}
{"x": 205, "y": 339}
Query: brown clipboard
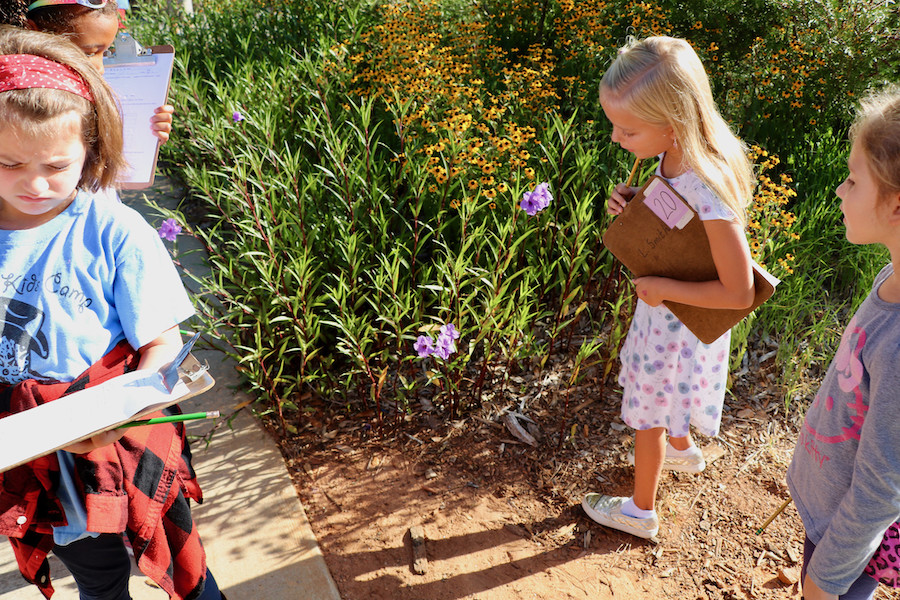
{"x": 647, "y": 245}
{"x": 140, "y": 76}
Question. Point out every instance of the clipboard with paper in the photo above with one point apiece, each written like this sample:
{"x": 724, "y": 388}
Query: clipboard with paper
{"x": 108, "y": 405}
{"x": 658, "y": 233}
{"x": 140, "y": 77}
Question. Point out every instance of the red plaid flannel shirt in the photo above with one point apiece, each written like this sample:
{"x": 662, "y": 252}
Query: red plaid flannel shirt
{"x": 139, "y": 485}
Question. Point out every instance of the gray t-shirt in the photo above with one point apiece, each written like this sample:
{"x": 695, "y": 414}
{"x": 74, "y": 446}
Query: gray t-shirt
{"x": 845, "y": 473}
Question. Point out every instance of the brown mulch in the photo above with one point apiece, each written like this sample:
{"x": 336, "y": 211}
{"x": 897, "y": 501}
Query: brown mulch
{"x": 501, "y": 519}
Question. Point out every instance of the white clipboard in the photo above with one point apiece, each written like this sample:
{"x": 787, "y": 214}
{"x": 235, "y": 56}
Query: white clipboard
{"x": 49, "y": 427}
{"x": 140, "y": 77}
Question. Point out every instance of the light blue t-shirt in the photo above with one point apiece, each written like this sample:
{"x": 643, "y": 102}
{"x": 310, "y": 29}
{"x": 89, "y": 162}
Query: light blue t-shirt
{"x": 76, "y": 514}
{"x": 72, "y": 288}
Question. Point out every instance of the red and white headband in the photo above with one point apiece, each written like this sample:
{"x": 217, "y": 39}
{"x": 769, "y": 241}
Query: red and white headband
{"x": 26, "y": 71}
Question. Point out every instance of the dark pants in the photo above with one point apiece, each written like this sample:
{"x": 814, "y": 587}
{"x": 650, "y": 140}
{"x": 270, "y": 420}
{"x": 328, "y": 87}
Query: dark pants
{"x": 101, "y": 568}
{"x": 862, "y": 589}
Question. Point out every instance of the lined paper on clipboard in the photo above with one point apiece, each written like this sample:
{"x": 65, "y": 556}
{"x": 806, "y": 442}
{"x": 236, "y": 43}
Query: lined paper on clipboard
{"x": 140, "y": 78}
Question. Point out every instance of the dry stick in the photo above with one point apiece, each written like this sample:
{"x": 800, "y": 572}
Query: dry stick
{"x": 614, "y": 274}
{"x": 617, "y": 269}
{"x": 772, "y": 517}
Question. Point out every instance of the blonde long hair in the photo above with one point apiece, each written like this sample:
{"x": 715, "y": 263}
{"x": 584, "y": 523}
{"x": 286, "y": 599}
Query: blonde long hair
{"x": 662, "y": 81}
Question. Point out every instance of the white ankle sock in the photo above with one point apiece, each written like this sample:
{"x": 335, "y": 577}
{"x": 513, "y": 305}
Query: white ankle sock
{"x": 630, "y": 509}
{"x": 671, "y": 451}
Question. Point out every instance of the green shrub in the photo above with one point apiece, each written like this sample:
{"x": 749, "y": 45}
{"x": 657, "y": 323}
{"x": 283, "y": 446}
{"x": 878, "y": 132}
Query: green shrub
{"x": 355, "y": 172}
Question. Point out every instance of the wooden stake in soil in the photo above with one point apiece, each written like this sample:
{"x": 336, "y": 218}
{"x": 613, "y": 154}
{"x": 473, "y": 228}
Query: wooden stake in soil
{"x": 420, "y": 562}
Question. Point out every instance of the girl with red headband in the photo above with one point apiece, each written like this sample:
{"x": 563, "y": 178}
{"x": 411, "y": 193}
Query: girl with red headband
{"x": 87, "y": 292}
{"x": 91, "y": 24}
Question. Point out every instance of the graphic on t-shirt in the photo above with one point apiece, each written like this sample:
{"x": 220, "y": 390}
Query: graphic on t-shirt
{"x": 849, "y": 371}
{"x": 20, "y": 338}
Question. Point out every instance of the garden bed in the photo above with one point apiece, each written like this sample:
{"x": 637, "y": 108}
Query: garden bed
{"x": 502, "y": 520}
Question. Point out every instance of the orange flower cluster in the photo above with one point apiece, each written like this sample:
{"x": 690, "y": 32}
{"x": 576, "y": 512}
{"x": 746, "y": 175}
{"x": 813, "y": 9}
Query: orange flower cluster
{"x": 588, "y": 33}
{"x": 468, "y": 124}
{"x": 769, "y": 223}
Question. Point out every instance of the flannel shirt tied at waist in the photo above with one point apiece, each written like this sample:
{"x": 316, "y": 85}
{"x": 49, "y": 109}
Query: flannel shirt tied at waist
{"x": 140, "y": 485}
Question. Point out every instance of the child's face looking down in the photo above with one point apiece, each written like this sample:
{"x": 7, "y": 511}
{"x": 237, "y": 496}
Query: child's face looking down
{"x": 94, "y": 33}
{"x": 39, "y": 173}
{"x": 860, "y": 203}
{"x": 643, "y": 139}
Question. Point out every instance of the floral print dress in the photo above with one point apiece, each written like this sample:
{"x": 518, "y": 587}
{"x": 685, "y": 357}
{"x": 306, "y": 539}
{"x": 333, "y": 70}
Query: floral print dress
{"x": 670, "y": 378}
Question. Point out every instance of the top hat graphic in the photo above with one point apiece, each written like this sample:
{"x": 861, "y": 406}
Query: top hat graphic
{"x": 22, "y": 324}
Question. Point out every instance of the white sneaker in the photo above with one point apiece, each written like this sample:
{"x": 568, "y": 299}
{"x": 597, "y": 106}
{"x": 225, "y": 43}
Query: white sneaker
{"x": 692, "y": 463}
{"x": 607, "y": 510}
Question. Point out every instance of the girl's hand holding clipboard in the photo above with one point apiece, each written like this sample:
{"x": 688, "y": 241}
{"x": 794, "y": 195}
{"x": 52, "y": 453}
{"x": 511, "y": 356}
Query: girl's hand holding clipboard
{"x": 650, "y": 289}
{"x": 97, "y": 441}
{"x": 161, "y": 122}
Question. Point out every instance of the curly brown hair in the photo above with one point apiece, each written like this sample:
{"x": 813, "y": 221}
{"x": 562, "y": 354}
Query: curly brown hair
{"x": 13, "y": 12}
{"x": 58, "y": 18}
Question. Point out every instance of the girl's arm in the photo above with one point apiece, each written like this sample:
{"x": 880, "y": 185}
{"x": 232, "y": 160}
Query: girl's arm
{"x": 733, "y": 288}
{"x": 153, "y": 355}
{"x": 161, "y": 350}
{"x": 813, "y": 592}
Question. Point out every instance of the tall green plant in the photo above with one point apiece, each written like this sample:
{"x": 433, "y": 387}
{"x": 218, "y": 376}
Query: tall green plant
{"x": 356, "y": 173}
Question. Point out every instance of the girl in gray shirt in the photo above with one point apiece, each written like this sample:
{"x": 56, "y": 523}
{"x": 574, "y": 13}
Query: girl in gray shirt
{"x": 845, "y": 472}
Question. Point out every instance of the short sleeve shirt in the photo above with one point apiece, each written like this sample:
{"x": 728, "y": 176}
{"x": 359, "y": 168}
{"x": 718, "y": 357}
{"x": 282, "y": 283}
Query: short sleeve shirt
{"x": 72, "y": 288}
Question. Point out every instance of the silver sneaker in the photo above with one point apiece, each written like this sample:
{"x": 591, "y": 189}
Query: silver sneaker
{"x": 692, "y": 463}
{"x": 607, "y": 510}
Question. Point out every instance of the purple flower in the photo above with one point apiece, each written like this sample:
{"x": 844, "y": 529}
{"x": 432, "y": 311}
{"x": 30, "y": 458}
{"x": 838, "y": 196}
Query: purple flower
{"x": 450, "y": 330}
{"x": 537, "y": 200}
{"x": 237, "y": 117}
{"x": 424, "y": 346}
{"x": 169, "y": 229}
{"x": 444, "y": 346}
{"x": 445, "y": 341}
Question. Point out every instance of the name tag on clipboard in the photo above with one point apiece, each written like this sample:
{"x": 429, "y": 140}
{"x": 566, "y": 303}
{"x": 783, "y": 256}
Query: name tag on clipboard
{"x": 666, "y": 204}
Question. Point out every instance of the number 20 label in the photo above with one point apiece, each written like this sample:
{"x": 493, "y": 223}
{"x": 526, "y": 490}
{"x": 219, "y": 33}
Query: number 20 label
{"x": 667, "y": 205}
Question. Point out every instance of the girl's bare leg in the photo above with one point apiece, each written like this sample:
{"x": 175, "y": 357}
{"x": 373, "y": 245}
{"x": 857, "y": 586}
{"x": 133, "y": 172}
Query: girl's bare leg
{"x": 649, "y": 453}
{"x": 681, "y": 443}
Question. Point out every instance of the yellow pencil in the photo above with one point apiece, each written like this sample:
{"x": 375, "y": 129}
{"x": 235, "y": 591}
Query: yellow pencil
{"x": 634, "y": 170}
{"x": 774, "y": 514}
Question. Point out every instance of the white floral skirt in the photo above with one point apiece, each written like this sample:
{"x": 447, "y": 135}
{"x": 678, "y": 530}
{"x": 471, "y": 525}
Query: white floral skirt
{"x": 670, "y": 378}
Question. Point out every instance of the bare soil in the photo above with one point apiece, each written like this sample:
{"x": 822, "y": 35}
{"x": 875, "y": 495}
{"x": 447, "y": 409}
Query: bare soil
{"x": 502, "y": 519}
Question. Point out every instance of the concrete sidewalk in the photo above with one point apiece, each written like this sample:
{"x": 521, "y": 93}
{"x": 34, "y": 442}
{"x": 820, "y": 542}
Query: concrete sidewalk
{"x": 258, "y": 541}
